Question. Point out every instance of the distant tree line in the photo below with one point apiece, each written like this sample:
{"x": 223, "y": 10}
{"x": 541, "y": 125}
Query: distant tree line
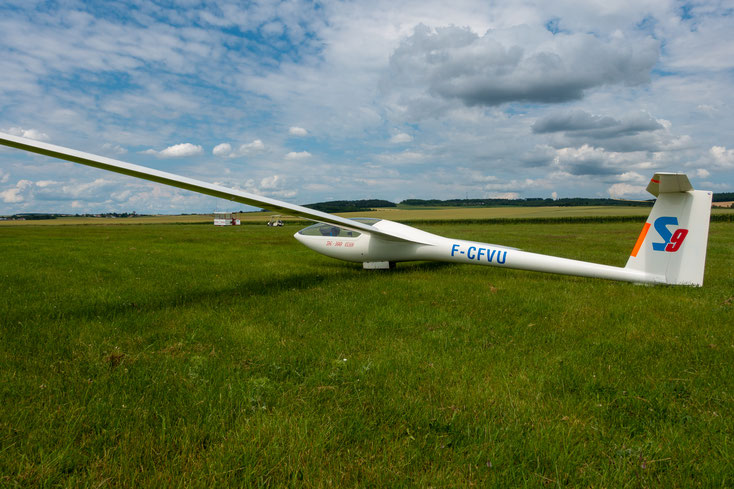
{"x": 724, "y": 197}
{"x": 529, "y": 202}
{"x": 350, "y": 205}
{"x": 361, "y": 205}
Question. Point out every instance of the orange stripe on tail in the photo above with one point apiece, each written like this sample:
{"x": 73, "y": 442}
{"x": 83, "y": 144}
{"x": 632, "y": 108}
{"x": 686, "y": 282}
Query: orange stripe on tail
{"x": 640, "y": 239}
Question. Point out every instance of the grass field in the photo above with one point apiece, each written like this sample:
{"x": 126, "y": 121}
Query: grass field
{"x": 194, "y": 356}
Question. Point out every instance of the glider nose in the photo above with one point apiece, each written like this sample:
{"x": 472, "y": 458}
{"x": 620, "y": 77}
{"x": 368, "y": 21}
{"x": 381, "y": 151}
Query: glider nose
{"x": 310, "y": 242}
{"x": 301, "y": 238}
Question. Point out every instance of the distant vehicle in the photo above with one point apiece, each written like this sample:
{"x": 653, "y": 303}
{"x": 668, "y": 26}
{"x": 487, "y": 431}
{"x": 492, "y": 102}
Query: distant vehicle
{"x": 226, "y": 219}
{"x": 671, "y": 249}
{"x": 275, "y": 222}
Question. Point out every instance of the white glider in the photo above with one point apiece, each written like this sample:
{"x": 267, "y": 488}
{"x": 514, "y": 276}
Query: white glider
{"x": 671, "y": 248}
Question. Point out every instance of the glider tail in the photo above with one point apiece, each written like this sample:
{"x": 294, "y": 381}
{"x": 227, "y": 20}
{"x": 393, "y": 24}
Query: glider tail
{"x": 672, "y": 244}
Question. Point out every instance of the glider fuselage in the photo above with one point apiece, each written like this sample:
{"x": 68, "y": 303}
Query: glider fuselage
{"x": 376, "y": 252}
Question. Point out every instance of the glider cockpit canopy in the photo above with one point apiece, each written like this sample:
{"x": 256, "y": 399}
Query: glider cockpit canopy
{"x": 326, "y": 229}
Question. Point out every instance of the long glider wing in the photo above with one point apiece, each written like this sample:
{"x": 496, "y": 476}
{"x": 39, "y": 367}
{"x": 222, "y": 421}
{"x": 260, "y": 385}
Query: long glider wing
{"x": 192, "y": 184}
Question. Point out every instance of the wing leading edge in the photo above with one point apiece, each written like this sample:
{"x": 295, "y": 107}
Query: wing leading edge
{"x": 192, "y": 185}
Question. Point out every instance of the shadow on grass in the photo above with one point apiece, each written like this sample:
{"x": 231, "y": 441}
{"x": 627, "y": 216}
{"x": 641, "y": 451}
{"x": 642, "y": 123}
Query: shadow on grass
{"x": 203, "y": 295}
{"x": 401, "y": 268}
{"x": 211, "y": 297}
{"x": 257, "y": 287}
{"x": 422, "y": 266}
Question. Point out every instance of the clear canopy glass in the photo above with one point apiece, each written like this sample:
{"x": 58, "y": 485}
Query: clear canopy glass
{"x": 324, "y": 229}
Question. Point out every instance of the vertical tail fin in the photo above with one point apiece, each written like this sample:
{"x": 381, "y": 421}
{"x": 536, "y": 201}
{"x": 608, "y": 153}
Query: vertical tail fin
{"x": 672, "y": 244}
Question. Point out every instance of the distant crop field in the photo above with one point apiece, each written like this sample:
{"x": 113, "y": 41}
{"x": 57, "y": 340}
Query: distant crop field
{"x": 195, "y": 356}
{"x": 430, "y": 214}
{"x": 108, "y": 221}
{"x": 396, "y": 214}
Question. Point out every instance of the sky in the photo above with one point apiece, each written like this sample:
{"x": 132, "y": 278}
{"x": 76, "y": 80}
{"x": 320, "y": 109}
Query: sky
{"x": 309, "y": 101}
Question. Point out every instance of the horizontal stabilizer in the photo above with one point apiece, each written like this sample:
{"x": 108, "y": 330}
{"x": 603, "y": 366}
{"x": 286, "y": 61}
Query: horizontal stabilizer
{"x": 664, "y": 183}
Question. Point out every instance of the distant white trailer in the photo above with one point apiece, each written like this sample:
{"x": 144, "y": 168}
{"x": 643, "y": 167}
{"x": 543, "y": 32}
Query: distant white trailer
{"x": 226, "y": 219}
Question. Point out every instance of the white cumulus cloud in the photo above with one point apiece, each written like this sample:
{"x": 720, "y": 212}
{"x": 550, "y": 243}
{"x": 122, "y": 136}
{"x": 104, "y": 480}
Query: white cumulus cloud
{"x": 297, "y": 155}
{"x": 632, "y": 176}
{"x": 46, "y": 183}
{"x": 28, "y": 133}
{"x": 16, "y": 195}
{"x": 504, "y": 195}
{"x": 620, "y": 190}
{"x": 225, "y": 150}
{"x": 256, "y": 145}
{"x": 181, "y": 150}
{"x": 401, "y": 138}
{"x": 723, "y": 158}
{"x": 114, "y": 149}
{"x": 270, "y": 182}
{"x": 177, "y": 151}
{"x": 297, "y": 131}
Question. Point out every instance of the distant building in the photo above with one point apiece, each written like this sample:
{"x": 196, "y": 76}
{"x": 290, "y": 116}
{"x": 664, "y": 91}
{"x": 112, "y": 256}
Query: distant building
{"x": 226, "y": 219}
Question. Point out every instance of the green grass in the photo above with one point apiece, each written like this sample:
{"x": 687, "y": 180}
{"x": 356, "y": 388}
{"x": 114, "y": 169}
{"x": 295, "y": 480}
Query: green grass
{"x": 171, "y": 356}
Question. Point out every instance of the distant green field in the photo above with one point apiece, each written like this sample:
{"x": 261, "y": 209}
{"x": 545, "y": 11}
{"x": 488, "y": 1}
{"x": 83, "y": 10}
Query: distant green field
{"x": 194, "y": 356}
{"x": 396, "y": 214}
